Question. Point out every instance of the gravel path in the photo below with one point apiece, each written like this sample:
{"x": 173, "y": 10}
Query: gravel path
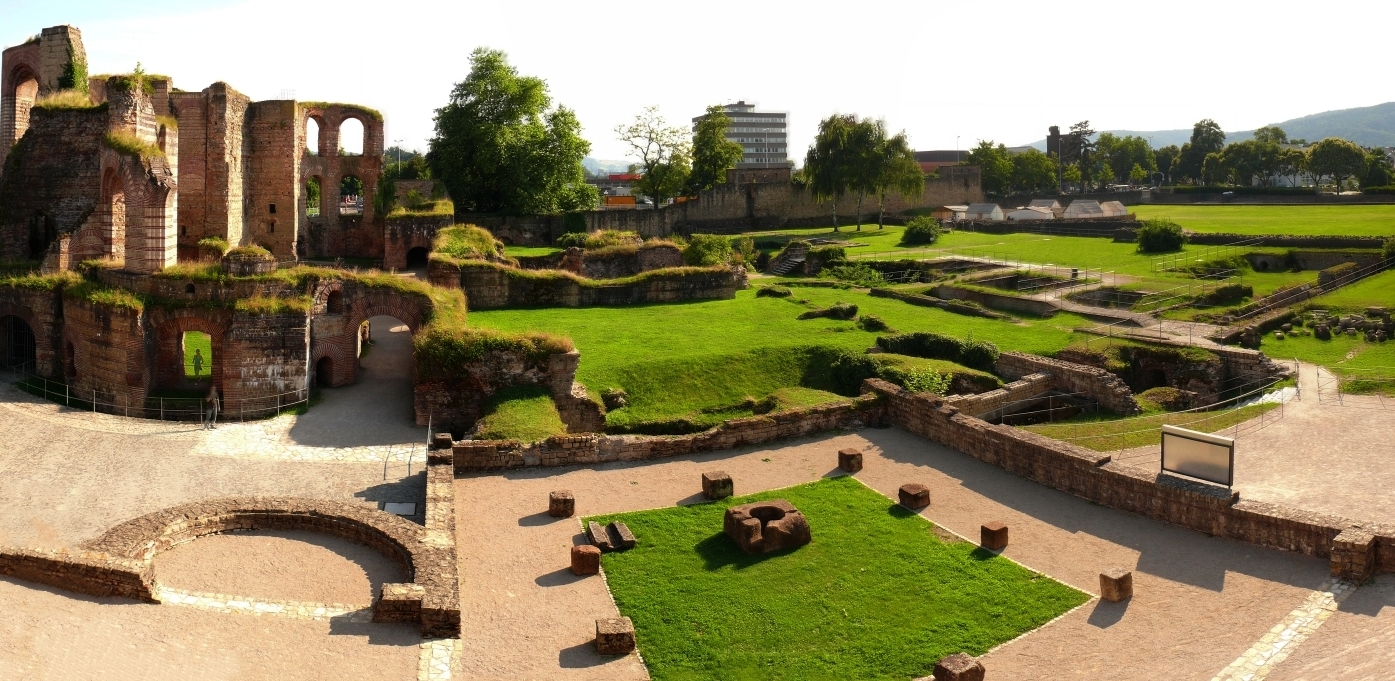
{"x": 1200, "y": 601}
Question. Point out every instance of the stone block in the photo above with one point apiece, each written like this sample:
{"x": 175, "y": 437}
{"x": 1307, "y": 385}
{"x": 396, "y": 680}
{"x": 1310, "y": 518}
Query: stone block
{"x": 599, "y": 537}
{"x": 914, "y": 496}
{"x": 766, "y": 526}
{"x": 993, "y": 536}
{"x": 1353, "y": 555}
{"x": 586, "y": 560}
{"x": 615, "y": 636}
{"x": 620, "y": 536}
{"x": 957, "y": 667}
{"x": 717, "y": 485}
{"x": 441, "y": 441}
{"x": 850, "y": 460}
{"x": 561, "y": 504}
{"x": 399, "y": 603}
{"x": 1116, "y": 585}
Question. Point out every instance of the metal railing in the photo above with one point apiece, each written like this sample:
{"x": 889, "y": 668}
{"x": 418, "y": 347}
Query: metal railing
{"x": 1191, "y": 258}
{"x": 153, "y": 408}
{"x": 1335, "y": 388}
{"x": 1301, "y": 294}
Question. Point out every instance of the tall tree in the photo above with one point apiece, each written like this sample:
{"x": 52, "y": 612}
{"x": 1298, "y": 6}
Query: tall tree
{"x": 995, "y": 166}
{"x": 1078, "y": 148}
{"x": 1033, "y": 171}
{"x": 1207, "y": 138}
{"x": 1292, "y": 163}
{"x": 1379, "y": 169}
{"x": 897, "y": 171}
{"x": 501, "y": 147}
{"x": 864, "y": 155}
{"x": 1336, "y": 158}
{"x": 663, "y": 151}
{"x": 713, "y": 153}
{"x": 1271, "y": 133}
{"x": 1166, "y": 158}
{"x": 828, "y": 165}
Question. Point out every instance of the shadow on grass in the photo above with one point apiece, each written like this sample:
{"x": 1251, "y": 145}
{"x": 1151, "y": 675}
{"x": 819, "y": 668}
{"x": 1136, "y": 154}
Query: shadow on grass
{"x": 719, "y": 551}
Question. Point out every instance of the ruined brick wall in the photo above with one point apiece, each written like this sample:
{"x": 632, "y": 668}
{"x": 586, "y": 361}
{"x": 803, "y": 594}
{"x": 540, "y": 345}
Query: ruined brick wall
{"x": 265, "y": 362}
{"x": 108, "y": 346}
{"x": 1108, "y": 390}
{"x": 592, "y": 448}
{"x": 617, "y": 264}
{"x": 53, "y": 177}
{"x": 403, "y": 233}
{"x": 981, "y": 404}
{"x": 30, "y": 71}
{"x": 332, "y": 234}
{"x": 339, "y": 309}
{"x": 149, "y": 183}
{"x": 488, "y": 286}
{"x": 42, "y": 311}
{"x": 211, "y": 163}
{"x": 272, "y": 186}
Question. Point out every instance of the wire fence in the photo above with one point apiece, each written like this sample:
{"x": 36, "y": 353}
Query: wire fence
{"x": 1302, "y": 293}
{"x": 1205, "y": 254}
{"x": 155, "y": 408}
{"x": 1365, "y": 388}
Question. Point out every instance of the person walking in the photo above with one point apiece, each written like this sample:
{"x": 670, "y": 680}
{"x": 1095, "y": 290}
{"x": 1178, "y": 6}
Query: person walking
{"x": 211, "y": 410}
{"x": 198, "y": 361}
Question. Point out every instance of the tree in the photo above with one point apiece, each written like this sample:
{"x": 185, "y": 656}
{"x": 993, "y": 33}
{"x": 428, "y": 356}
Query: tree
{"x": 1167, "y": 158}
{"x": 1123, "y": 153}
{"x": 827, "y": 166}
{"x": 350, "y": 186}
{"x": 1138, "y": 174}
{"x": 1214, "y": 169}
{"x": 1271, "y": 133}
{"x": 1378, "y": 169}
{"x": 1292, "y": 163}
{"x": 1071, "y": 174}
{"x": 1337, "y": 158}
{"x": 713, "y": 154}
{"x": 897, "y": 171}
{"x": 995, "y": 166}
{"x": 501, "y": 147}
{"x": 1077, "y": 148}
{"x": 864, "y": 143}
{"x": 1033, "y": 171}
{"x": 1207, "y": 138}
{"x": 664, "y": 154}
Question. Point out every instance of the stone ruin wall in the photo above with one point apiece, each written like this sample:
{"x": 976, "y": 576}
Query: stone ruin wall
{"x": 1110, "y": 391}
{"x": 331, "y": 234}
{"x": 456, "y": 405}
{"x": 404, "y": 233}
{"x": 489, "y": 286}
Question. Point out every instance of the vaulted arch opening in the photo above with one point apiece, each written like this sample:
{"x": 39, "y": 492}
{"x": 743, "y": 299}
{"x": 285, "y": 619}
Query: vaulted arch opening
{"x": 351, "y": 137}
{"x": 17, "y": 345}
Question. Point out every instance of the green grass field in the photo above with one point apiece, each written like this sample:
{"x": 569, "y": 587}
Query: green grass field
{"x": 525, "y": 413}
{"x": 1109, "y": 433}
{"x": 1371, "y": 291}
{"x": 200, "y": 342}
{"x": 875, "y": 595}
{"x": 1353, "y": 220}
{"x": 677, "y": 359}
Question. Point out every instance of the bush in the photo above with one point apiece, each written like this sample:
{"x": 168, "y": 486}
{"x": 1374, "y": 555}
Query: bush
{"x": 849, "y": 369}
{"x": 216, "y": 244}
{"x": 707, "y": 249}
{"x": 467, "y": 242}
{"x": 835, "y": 311}
{"x": 978, "y": 354}
{"x": 854, "y": 273}
{"x": 871, "y": 322}
{"x": 746, "y": 248}
{"x": 572, "y": 240}
{"x": 927, "y": 380}
{"x": 1227, "y": 293}
{"x": 773, "y": 292}
{"x": 971, "y": 353}
{"x": 1160, "y": 236}
{"x": 921, "y": 230}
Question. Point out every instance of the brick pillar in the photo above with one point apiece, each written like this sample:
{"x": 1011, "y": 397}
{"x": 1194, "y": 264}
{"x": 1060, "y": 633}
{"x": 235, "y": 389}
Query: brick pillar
{"x": 1354, "y": 555}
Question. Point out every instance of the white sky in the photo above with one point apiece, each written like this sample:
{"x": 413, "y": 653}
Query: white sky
{"x": 997, "y": 70}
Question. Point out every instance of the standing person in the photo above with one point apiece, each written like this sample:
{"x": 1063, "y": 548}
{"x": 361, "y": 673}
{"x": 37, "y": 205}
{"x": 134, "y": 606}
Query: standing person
{"x": 211, "y": 413}
{"x": 198, "y": 361}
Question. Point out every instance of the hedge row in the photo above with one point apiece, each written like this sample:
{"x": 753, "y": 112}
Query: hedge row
{"x": 971, "y": 353}
{"x": 1273, "y": 191}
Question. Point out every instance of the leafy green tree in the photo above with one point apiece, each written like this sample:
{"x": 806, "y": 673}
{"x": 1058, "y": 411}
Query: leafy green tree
{"x": 1123, "y": 153}
{"x": 350, "y": 186}
{"x": 1271, "y": 133}
{"x": 1213, "y": 169}
{"x": 1166, "y": 159}
{"x": 1292, "y": 163}
{"x": 502, "y": 147}
{"x": 897, "y": 171}
{"x": 995, "y": 166}
{"x": 1078, "y": 149}
{"x": 1336, "y": 158}
{"x": 414, "y": 168}
{"x": 829, "y": 163}
{"x": 1207, "y": 138}
{"x": 713, "y": 153}
{"x": 1033, "y": 171}
{"x": 1138, "y": 174}
{"x": 864, "y": 155}
{"x": 664, "y": 154}
{"x": 1071, "y": 174}
{"x": 1378, "y": 169}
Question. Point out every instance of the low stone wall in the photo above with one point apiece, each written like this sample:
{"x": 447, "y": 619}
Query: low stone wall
{"x": 1310, "y": 260}
{"x": 1106, "y": 227}
{"x": 488, "y": 285}
{"x": 1021, "y": 389}
{"x": 94, "y": 574}
{"x": 620, "y": 263}
{"x": 1094, "y": 476}
{"x": 927, "y": 301}
{"x": 1287, "y": 241}
{"x": 1040, "y": 308}
{"x": 1108, "y": 390}
{"x": 595, "y": 448}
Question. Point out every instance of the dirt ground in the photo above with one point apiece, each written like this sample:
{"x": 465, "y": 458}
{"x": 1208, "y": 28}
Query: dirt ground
{"x": 1199, "y": 602}
{"x": 1356, "y": 644}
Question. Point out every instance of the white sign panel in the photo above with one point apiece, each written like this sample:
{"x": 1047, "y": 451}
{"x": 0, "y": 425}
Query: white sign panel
{"x": 1198, "y": 455}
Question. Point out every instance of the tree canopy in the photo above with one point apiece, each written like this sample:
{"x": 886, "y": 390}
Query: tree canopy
{"x": 713, "y": 153}
{"x": 1207, "y": 138}
{"x": 502, "y": 147}
{"x": 663, "y": 152}
{"x": 995, "y": 166}
{"x": 1336, "y": 158}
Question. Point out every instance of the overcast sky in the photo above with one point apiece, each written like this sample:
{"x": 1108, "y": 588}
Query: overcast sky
{"x": 942, "y": 71}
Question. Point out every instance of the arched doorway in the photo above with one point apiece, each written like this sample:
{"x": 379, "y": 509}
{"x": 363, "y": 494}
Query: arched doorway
{"x": 17, "y": 346}
{"x": 26, "y": 91}
{"x": 312, "y": 197}
{"x": 312, "y": 136}
{"x": 324, "y": 372}
{"x": 197, "y": 350}
{"x": 416, "y": 258}
{"x": 363, "y": 400}
{"x": 42, "y": 234}
{"x": 350, "y": 195}
{"x": 351, "y": 137}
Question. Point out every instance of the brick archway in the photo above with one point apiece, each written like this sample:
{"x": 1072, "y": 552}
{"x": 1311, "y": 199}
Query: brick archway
{"x": 342, "y": 358}
{"x": 169, "y": 355}
{"x": 43, "y": 342}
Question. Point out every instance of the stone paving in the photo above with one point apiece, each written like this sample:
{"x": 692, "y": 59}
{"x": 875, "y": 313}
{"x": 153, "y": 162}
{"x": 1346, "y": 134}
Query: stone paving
{"x": 1274, "y": 647}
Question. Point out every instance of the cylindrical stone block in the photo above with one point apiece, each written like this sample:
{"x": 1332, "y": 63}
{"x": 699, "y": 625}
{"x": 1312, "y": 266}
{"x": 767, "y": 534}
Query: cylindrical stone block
{"x": 1116, "y": 585}
{"x": 561, "y": 504}
{"x": 914, "y": 495}
{"x": 850, "y": 460}
{"x": 586, "y": 560}
{"x": 993, "y": 536}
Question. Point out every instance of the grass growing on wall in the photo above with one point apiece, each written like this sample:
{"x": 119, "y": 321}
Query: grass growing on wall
{"x": 525, "y": 413}
{"x": 99, "y": 294}
{"x": 67, "y": 100}
{"x": 34, "y": 281}
{"x": 266, "y": 305}
{"x": 128, "y": 143}
{"x": 465, "y": 242}
{"x": 875, "y": 595}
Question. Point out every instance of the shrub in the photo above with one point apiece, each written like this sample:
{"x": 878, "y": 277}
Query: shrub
{"x": 972, "y": 353}
{"x": 978, "y": 354}
{"x": 871, "y": 322}
{"x": 572, "y": 240}
{"x": 854, "y": 273}
{"x": 745, "y": 247}
{"x": 216, "y": 244}
{"x": 1387, "y": 189}
{"x": 707, "y": 249}
{"x": 1160, "y": 236}
{"x": 835, "y": 311}
{"x": 849, "y": 369}
{"x": 773, "y": 292}
{"x": 828, "y": 254}
{"x": 467, "y": 242}
{"x": 921, "y": 230}
{"x": 927, "y": 380}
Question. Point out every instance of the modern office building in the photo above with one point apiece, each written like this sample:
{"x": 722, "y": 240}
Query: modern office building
{"x": 764, "y": 135}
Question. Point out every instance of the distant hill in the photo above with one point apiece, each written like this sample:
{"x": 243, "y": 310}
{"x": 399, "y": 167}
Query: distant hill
{"x": 602, "y": 165}
{"x": 1371, "y": 126}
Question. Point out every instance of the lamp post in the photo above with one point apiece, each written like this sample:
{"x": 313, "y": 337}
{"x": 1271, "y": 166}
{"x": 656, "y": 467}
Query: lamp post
{"x": 398, "y": 144}
{"x": 956, "y": 149}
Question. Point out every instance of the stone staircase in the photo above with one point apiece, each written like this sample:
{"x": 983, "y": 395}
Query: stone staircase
{"x": 792, "y": 257}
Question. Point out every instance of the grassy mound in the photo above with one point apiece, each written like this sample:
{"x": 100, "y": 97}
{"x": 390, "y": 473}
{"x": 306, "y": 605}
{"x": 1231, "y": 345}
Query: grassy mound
{"x": 524, "y": 413}
{"x": 845, "y": 607}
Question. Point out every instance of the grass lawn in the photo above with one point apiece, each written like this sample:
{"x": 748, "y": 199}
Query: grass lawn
{"x": 198, "y": 341}
{"x": 1342, "y": 352}
{"x": 524, "y": 413}
{"x": 517, "y": 251}
{"x": 1353, "y": 220}
{"x": 876, "y": 595}
{"x": 1374, "y": 290}
{"x": 1105, "y": 434}
{"x": 680, "y": 358}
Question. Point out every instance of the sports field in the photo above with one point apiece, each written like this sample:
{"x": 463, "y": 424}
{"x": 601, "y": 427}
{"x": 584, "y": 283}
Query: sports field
{"x": 1305, "y": 220}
